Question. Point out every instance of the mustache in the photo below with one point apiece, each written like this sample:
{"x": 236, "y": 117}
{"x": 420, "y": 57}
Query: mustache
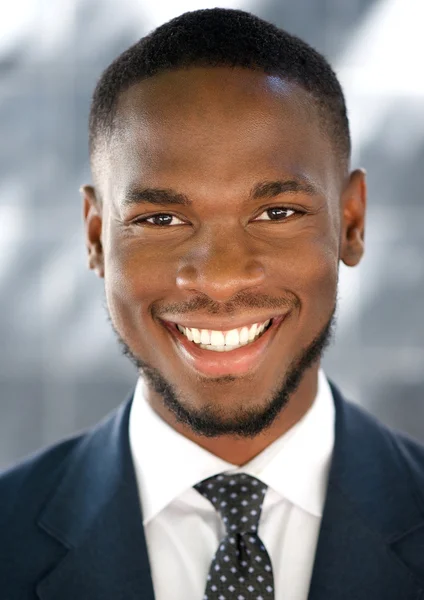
{"x": 238, "y": 304}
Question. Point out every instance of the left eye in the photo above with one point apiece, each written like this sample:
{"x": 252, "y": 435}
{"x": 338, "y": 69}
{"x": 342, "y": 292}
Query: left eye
{"x": 278, "y": 213}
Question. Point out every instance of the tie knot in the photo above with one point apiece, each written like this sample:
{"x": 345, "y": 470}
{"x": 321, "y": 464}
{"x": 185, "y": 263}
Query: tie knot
{"x": 238, "y": 498}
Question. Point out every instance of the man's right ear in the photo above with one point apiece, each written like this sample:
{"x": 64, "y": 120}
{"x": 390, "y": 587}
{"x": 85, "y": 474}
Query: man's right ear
{"x": 93, "y": 229}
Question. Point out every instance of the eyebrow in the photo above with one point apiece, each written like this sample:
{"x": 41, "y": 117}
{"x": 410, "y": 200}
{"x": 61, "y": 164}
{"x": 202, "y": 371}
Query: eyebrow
{"x": 265, "y": 189}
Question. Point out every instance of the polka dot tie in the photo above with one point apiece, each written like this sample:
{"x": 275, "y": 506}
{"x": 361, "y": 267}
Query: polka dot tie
{"x": 241, "y": 568}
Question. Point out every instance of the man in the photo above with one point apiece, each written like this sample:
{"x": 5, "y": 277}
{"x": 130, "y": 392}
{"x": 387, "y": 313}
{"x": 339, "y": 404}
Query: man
{"x": 222, "y": 203}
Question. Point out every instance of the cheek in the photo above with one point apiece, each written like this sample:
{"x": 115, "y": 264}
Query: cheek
{"x": 308, "y": 268}
{"x": 135, "y": 276}
{"x": 319, "y": 287}
{"x": 309, "y": 257}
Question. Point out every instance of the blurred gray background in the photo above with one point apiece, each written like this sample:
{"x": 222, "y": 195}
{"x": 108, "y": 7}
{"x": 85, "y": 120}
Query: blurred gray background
{"x": 60, "y": 367}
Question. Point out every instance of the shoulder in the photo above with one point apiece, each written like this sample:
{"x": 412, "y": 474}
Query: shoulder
{"x": 411, "y": 455}
{"x": 70, "y": 480}
{"x": 28, "y": 486}
{"x": 366, "y": 444}
{"x": 408, "y": 449}
{"x": 33, "y": 478}
{"x": 24, "y": 491}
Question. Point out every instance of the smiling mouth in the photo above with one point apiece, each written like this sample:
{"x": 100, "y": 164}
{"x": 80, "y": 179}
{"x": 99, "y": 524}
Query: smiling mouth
{"x": 217, "y": 361}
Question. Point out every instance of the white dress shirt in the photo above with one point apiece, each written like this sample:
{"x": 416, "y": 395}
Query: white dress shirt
{"x": 182, "y": 528}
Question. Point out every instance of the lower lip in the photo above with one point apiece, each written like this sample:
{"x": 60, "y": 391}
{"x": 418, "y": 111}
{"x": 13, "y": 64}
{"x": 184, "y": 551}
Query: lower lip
{"x": 235, "y": 362}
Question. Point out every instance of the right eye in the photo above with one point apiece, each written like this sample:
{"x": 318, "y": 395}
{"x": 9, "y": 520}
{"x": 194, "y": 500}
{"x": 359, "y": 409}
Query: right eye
{"x": 159, "y": 220}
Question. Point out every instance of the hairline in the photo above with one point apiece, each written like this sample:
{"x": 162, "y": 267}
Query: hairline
{"x": 104, "y": 136}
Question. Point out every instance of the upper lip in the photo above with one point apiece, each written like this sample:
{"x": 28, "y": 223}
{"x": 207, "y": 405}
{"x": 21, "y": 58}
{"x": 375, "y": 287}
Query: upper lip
{"x": 221, "y": 325}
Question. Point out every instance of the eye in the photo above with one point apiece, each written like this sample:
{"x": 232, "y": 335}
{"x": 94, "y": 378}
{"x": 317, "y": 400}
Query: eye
{"x": 278, "y": 213}
{"x": 159, "y": 220}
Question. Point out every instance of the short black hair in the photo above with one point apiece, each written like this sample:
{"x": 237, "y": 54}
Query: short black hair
{"x": 222, "y": 37}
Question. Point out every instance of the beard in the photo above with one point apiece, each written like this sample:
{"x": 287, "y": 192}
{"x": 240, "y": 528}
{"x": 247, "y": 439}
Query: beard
{"x": 247, "y": 422}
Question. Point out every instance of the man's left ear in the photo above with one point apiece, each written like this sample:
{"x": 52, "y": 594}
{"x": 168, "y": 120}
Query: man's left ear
{"x": 353, "y": 207}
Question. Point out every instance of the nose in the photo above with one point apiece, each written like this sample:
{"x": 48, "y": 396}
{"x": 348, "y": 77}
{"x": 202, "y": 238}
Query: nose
{"x": 220, "y": 267}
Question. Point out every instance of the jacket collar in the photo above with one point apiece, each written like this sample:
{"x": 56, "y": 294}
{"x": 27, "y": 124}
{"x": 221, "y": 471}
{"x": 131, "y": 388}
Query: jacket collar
{"x": 372, "y": 508}
{"x": 95, "y": 513}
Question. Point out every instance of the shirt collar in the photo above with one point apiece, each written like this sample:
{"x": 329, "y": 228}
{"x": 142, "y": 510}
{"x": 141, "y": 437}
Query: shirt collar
{"x": 295, "y": 465}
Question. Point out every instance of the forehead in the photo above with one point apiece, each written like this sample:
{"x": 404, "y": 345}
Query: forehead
{"x": 217, "y": 124}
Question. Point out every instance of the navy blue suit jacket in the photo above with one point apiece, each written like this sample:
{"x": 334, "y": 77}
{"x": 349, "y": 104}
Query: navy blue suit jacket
{"x": 71, "y": 528}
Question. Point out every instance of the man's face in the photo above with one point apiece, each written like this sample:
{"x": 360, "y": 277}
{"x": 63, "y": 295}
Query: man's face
{"x": 267, "y": 215}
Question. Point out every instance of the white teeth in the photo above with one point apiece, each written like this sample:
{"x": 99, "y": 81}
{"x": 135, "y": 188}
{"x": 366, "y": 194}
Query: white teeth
{"x": 196, "y": 335}
{"x": 205, "y": 337}
{"x": 223, "y": 341}
{"x": 252, "y": 332}
{"x": 228, "y": 348}
{"x": 217, "y": 338}
{"x": 213, "y": 348}
{"x": 244, "y": 335}
{"x": 232, "y": 338}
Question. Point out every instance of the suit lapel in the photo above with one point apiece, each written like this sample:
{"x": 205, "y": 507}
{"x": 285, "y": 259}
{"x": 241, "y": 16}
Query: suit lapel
{"x": 369, "y": 505}
{"x": 95, "y": 514}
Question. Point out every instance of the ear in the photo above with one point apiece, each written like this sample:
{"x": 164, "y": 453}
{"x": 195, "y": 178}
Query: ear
{"x": 93, "y": 229}
{"x": 353, "y": 207}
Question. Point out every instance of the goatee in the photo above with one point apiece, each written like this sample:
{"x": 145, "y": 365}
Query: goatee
{"x": 208, "y": 421}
